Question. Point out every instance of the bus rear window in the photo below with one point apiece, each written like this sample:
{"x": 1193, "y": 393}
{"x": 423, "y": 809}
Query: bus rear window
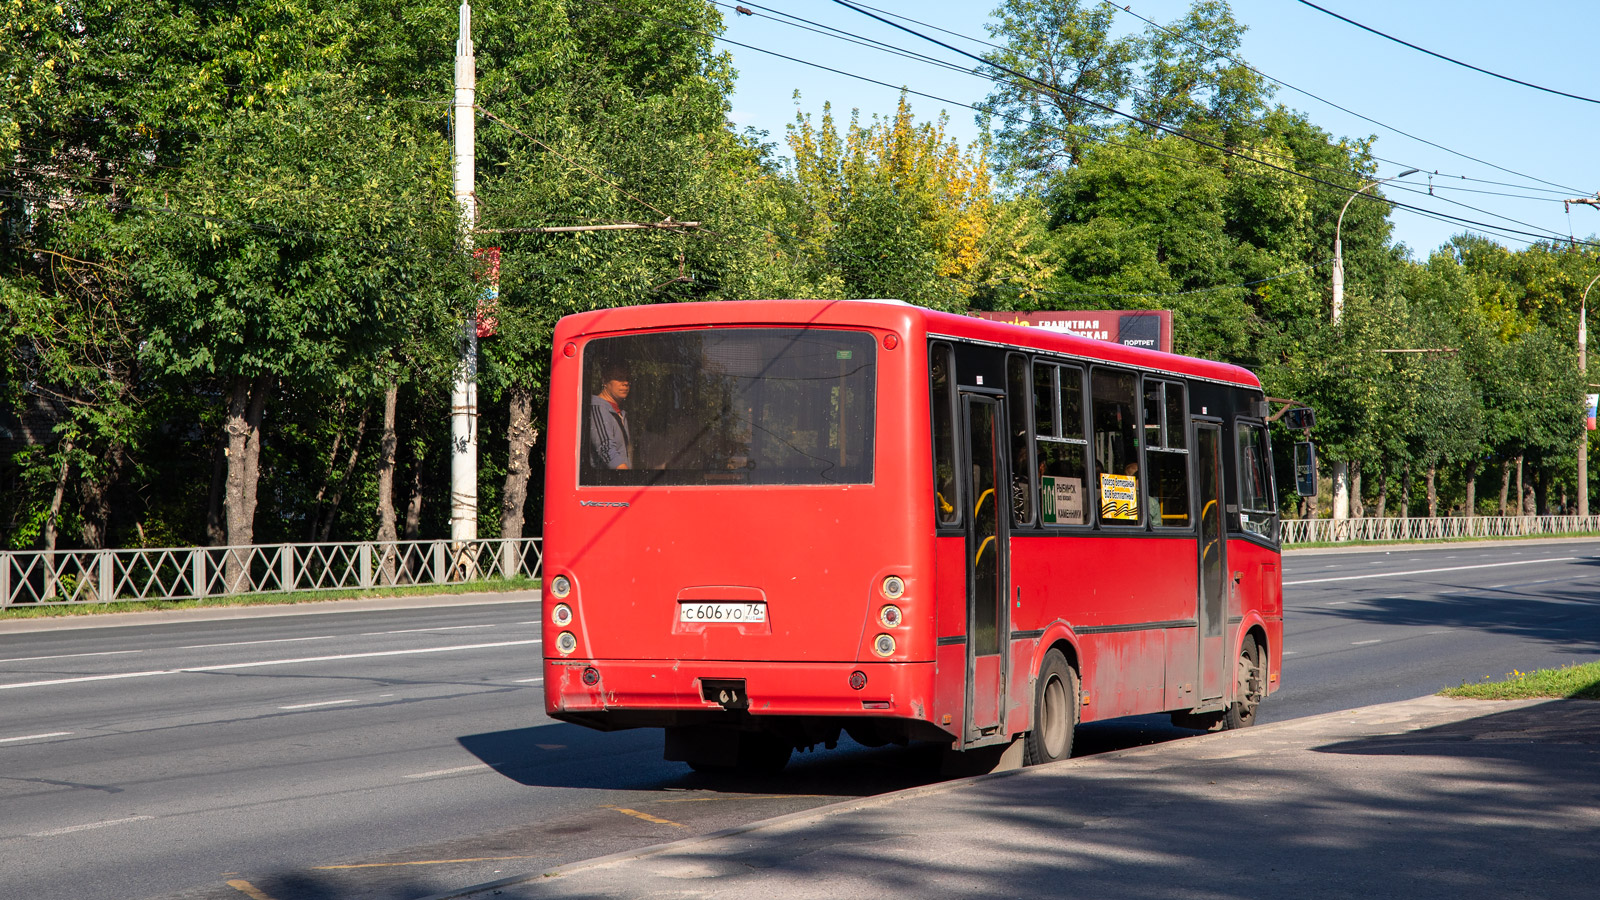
{"x": 729, "y": 406}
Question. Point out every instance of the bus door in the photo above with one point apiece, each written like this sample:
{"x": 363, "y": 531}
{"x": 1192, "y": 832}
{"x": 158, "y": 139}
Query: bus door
{"x": 1213, "y": 564}
{"x": 986, "y": 545}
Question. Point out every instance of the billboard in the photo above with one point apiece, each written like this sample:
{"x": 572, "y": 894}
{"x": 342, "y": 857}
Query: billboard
{"x": 1148, "y": 328}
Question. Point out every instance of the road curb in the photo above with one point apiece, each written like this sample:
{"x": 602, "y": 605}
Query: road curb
{"x": 266, "y": 610}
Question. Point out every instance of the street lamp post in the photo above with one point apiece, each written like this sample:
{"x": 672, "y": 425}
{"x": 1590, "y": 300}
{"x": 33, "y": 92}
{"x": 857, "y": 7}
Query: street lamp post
{"x": 1341, "y": 469}
{"x": 1583, "y": 439}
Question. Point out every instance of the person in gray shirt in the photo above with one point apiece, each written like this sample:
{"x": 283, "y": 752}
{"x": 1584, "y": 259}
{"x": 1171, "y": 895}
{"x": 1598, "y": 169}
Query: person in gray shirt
{"x": 610, "y": 443}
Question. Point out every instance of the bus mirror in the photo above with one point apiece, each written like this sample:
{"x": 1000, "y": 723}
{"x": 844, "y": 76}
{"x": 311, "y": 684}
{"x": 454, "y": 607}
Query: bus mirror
{"x": 1305, "y": 469}
{"x": 1300, "y": 417}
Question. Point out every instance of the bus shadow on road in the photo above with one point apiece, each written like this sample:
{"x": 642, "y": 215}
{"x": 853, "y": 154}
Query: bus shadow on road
{"x": 561, "y": 755}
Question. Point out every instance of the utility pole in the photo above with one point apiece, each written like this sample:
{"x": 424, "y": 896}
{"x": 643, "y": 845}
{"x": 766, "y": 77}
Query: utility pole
{"x": 1583, "y": 438}
{"x": 464, "y": 392}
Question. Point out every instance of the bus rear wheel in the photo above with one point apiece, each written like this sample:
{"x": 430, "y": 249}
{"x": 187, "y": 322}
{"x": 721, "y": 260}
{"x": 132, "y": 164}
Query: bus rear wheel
{"x": 1055, "y": 712}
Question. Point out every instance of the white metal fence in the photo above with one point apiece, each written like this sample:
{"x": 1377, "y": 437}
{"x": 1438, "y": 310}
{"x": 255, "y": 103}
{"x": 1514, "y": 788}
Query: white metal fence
{"x": 34, "y": 577}
{"x": 1310, "y": 531}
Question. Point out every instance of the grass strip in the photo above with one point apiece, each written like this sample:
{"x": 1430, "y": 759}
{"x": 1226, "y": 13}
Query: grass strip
{"x": 495, "y": 585}
{"x": 1574, "y": 682}
{"x": 1357, "y": 545}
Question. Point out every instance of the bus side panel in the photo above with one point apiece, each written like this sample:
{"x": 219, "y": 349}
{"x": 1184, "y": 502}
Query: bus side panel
{"x": 1259, "y": 591}
{"x": 950, "y": 622}
{"x": 1121, "y": 585}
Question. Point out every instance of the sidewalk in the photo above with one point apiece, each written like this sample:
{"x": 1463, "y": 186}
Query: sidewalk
{"x": 1427, "y": 798}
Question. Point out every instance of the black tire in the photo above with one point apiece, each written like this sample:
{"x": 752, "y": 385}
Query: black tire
{"x": 1055, "y": 712}
{"x": 1249, "y": 681}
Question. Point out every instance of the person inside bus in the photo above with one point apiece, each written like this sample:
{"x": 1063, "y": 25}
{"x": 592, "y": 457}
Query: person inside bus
{"x": 610, "y": 444}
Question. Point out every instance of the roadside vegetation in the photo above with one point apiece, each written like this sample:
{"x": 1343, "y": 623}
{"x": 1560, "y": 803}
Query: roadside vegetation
{"x": 1575, "y": 682}
{"x": 496, "y": 585}
{"x": 232, "y": 278}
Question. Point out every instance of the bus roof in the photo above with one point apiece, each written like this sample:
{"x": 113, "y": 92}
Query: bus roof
{"x": 892, "y": 314}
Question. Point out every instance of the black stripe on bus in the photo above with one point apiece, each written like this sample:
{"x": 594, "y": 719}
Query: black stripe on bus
{"x": 1027, "y": 635}
{"x": 952, "y": 640}
{"x": 1139, "y": 626}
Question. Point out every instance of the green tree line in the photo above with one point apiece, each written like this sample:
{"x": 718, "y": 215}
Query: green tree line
{"x": 232, "y": 278}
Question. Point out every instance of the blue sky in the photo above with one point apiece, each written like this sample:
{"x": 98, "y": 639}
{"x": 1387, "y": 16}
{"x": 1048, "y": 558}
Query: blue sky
{"x": 1546, "y": 142}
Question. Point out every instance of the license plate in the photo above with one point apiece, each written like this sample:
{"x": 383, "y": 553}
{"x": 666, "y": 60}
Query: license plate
{"x": 722, "y": 612}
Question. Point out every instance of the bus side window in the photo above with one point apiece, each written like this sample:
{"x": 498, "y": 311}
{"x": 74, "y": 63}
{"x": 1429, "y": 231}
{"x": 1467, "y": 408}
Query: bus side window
{"x": 1019, "y": 399}
{"x": 1114, "y": 404}
{"x": 1060, "y": 448}
{"x": 1258, "y": 511}
{"x": 942, "y": 404}
{"x": 1166, "y": 430}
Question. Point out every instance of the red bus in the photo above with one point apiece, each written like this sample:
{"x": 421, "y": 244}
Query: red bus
{"x": 768, "y": 522}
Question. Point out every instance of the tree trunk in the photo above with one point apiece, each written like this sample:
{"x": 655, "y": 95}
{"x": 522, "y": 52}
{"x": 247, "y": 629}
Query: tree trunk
{"x": 386, "y": 453}
{"x": 1472, "y": 489}
{"x": 414, "y": 502}
{"x": 1433, "y": 491}
{"x": 520, "y": 436}
{"x": 52, "y": 521}
{"x": 1505, "y": 487}
{"x": 1383, "y": 490}
{"x": 344, "y": 479}
{"x": 246, "y": 403}
{"x": 1541, "y": 491}
{"x": 94, "y": 498}
{"x": 1357, "y": 507}
{"x": 1405, "y": 491}
{"x": 1522, "y": 503}
{"x": 216, "y": 522}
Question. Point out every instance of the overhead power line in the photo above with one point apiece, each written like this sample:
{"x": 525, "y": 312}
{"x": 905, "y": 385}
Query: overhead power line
{"x": 1448, "y": 59}
{"x": 1126, "y": 11}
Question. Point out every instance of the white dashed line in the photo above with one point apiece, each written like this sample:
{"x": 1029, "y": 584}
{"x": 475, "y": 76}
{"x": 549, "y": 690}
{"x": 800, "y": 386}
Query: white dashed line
{"x": 527, "y": 680}
{"x": 456, "y": 771}
{"x": 34, "y": 737}
{"x": 91, "y": 825}
{"x": 1373, "y": 641}
{"x": 70, "y": 655}
{"x": 321, "y": 637}
{"x": 315, "y": 705}
{"x": 1520, "y": 562}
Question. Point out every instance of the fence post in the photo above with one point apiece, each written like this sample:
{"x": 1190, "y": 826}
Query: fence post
{"x": 365, "y": 555}
{"x": 438, "y": 562}
{"x": 107, "y": 589}
{"x": 199, "y": 574}
{"x": 5, "y": 580}
{"x": 286, "y": 567}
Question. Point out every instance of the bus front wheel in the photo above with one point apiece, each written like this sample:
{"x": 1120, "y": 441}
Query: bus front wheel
{"x": 1055, "y": 712}
{"x": 1247, "y": 689}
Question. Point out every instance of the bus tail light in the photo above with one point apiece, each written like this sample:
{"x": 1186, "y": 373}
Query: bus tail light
{"x": 561, "y": 615}
{"x": 591, "y": 676}
{"x": 560, "y": 587}
{"x": 858, "y": 679}
{"x": 566, "y": 643}
{"x": 883, "y": 645}
{"x": 890, "y": 616}
{"x": 894, "y": 587}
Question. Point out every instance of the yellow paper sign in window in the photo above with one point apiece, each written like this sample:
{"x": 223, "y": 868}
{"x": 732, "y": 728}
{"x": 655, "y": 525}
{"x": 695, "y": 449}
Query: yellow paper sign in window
{"x": 1119, "y": 497}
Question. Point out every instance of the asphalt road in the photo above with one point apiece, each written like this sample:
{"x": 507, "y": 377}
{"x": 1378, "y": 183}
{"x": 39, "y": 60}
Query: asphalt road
{"x": 404, "y": 753}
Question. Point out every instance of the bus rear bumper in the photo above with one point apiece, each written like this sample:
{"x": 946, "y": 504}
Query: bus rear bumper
{"x": 658, "y": 692}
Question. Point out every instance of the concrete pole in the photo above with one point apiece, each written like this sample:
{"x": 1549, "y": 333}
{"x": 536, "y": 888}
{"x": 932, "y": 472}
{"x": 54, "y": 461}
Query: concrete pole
{"x": 1341, "y": 469}
{"x": 464, "y": 392}
{"x": 1583, "y": 438}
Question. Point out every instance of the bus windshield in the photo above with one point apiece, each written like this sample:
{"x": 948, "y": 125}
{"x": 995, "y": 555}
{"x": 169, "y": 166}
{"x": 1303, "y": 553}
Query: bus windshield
{"x": 729, "y": 406}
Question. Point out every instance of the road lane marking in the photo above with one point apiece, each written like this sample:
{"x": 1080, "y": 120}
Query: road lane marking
{"x": 91, "y": 825}
{"x": 221, "y": 667}
{"x": 527, "y": 680}
{"x": 475, "y": 767}
{"x": 69, "y": 655}
{"x": 1373, "y": 641}
{"x": 1520, "y": 562}
{"x": 420, "y": 630}
{"x": 426, "y": 862}
{"x": 646, "y": 816}
{"x": 320, "y": 703}
{"x": 320, "y": 637}
{"x": 249, "y": 890}
{"x": 34, "y": 737}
